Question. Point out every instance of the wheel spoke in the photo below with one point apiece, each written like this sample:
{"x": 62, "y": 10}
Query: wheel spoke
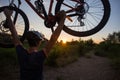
{"x": 20, "y": 25}
{"x": 88, "y": 18}
{"x": 93, "y": 16}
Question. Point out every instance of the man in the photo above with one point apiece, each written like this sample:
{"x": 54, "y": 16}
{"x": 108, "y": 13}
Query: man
{"x": 31, "y": 60}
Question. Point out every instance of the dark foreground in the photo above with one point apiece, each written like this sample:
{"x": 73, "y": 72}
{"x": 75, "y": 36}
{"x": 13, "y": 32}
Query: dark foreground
{"x": 94, "y": 68}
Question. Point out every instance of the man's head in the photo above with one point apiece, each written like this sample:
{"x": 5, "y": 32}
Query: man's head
{"x": 34, "y": 38}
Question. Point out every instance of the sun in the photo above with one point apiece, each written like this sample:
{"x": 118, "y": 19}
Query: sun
{"x": 64, "y": 41}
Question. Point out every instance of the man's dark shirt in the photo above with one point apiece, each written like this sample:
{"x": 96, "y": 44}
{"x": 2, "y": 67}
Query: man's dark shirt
{"x": 31, "y": 64}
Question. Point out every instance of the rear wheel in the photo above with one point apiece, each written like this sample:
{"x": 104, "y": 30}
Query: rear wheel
{"x": 21, "y": 24}
{"x": 87, "y": 18}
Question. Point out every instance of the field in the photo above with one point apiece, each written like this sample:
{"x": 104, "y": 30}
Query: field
{"x": 63, "y": 54}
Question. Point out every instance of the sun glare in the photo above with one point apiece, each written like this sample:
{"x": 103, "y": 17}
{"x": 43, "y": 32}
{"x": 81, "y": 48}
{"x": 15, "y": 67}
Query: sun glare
{"x": 64, "y": 41}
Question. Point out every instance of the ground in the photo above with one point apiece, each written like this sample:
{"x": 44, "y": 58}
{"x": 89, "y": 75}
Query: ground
{"x": 94, "y": 68}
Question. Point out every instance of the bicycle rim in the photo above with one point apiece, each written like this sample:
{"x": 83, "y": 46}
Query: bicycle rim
{"x": 96, "y": 14}
{"x": 21, "y": 25}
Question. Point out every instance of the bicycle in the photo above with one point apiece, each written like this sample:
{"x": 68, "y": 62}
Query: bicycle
{"x": 80, "y": 15}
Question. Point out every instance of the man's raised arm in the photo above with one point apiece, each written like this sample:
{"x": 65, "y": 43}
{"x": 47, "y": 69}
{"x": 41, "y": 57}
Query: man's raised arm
{"x": 13, "y": 31}
{"x": 61, "y": 18}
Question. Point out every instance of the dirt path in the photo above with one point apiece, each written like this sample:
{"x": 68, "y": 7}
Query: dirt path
{"x": 95, "y": 68}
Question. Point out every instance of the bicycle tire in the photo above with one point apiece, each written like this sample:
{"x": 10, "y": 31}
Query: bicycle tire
{"x": 95, "y": 29}
{"x": 22, "y": 28}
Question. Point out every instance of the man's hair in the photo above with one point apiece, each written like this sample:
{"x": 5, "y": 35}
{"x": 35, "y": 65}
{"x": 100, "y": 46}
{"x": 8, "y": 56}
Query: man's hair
{"x": 33, "y": 39}
{"x": 33, "y": 42}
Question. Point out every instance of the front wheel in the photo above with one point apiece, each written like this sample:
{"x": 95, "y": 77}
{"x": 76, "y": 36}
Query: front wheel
{"x": 20, "y": 21}
{"x": 87, "y": 17}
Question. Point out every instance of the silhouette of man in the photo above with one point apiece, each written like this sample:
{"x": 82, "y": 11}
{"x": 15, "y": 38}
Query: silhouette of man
{"x": 31, "y": 60}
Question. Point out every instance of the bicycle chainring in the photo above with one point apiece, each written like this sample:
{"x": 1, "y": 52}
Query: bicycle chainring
{"x": 50, "y": 21}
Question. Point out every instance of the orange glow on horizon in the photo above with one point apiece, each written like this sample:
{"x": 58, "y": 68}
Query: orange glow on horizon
{"x": 64, "y": 41}
{"x": 68, "y": 39}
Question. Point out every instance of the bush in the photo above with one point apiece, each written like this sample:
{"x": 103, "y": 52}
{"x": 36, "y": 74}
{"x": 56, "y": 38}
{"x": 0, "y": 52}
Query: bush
{"x": 8, "y": 61}
{"x": 8, "y": 56}
{"x": 52, "y": 57}
{"x": 114, "y": 51}
{"x": 102, "y": 49}
{"x": 62, "y": 54}
{"x": 110, "y": 50}
{"x": 85, "y": 47}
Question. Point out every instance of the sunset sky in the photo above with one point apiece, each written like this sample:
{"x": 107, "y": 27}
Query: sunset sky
{"x": 36, "y": 23}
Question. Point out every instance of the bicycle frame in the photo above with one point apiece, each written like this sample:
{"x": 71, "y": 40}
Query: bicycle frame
{"x": 50, "y": 8}
{"x": 45, "y": 16}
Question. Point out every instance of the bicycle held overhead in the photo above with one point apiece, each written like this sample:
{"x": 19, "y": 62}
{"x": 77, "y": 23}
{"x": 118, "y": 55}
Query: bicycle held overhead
{"x": 83, "y": 17}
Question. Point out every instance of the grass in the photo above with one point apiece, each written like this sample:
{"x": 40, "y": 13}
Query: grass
{"x": 8, "y": 63}
{"x": 63, "y": 54}
{"x": 59, "y": 78}
{"x": 112, "y": 51}
{"x": 8, "y": 56}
